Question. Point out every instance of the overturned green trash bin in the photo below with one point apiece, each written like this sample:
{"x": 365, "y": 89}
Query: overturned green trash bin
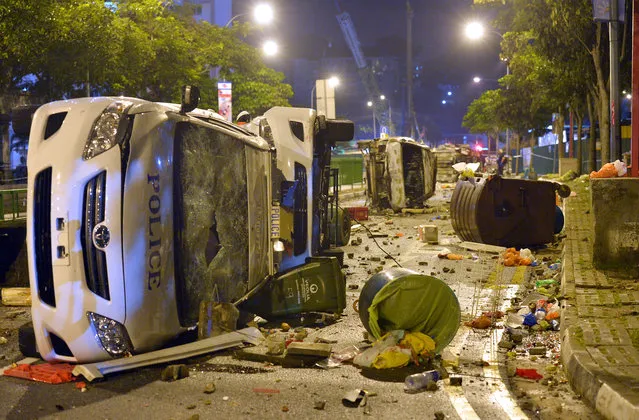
{"x": 402, "y": 299}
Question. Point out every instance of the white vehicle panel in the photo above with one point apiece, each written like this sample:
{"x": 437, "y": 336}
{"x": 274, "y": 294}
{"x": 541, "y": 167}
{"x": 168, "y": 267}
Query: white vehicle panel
{"x": 148, "y": 234}
{"x": 73, "y": 299}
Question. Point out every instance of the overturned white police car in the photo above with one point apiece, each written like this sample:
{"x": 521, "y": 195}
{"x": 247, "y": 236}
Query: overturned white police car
{"x": 138, "y": 211}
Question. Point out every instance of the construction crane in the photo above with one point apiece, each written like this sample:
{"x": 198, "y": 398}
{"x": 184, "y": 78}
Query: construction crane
{"x": 380, "y": 110}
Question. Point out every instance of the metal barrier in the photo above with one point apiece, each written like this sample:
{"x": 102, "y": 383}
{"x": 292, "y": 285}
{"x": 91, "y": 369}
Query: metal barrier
{"x": 13, "y": 204}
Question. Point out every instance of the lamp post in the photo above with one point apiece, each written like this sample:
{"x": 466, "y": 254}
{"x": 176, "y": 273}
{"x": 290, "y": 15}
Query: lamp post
{"x": 262, "y": 15}
{"x": 475, "y": 31}
{"x": 390, "y": 114}
{"x": 370, "y": 105}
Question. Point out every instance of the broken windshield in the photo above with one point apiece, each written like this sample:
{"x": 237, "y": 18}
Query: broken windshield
{"x": 210, "y": 218}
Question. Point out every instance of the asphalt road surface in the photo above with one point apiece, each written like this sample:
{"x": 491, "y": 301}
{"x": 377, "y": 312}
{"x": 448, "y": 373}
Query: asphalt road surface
{"x": 246, "y": 389}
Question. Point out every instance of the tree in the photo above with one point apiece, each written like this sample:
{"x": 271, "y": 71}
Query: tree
{"x": 563, "y": 35}
{"x": 483, "y": 116}
{"x": 143, "y": 48}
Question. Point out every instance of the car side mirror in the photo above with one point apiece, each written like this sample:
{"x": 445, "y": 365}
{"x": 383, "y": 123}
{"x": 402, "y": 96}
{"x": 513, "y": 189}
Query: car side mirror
{"x": 339, "y": 130}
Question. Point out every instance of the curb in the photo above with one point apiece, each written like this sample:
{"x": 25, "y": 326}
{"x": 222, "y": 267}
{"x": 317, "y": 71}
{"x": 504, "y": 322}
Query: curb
{"x": 601, "y": 389}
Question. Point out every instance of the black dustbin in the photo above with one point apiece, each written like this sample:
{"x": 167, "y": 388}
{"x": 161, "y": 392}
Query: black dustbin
{"x": 505, "y": 212}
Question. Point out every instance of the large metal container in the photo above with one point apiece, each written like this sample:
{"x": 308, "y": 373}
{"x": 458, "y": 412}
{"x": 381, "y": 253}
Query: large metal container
{"x": 505, "y": 212}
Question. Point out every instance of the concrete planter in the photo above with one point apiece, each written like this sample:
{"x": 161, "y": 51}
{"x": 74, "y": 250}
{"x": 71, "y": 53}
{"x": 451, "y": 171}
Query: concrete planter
{"x": 614, "y": 204}
{"x": 566, "y": 164}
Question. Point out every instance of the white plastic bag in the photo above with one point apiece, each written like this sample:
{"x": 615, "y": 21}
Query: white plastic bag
{"x": 620, "y": 167}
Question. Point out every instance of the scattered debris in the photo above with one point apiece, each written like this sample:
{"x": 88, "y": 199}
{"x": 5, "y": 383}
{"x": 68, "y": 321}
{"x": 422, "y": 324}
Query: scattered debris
{"x": 610, "y": 170}
{"x": 451, "y": 256}
{"x": 354, "y": 398}
{"x": 174, "y": 372}
{"x": 512, "y": 258}
{"x": 537, "y": 351}
{"x": 528, "y": 374}
{"x": 481, "y": 323}
{"x": 209, "y": 388}
{"x": 420, "y": 381}
{"x": 456, "y": 381}
{"x": 476, "y": 246}
{"x": 319, "y": 405}
{"x": 16, "y": 296}
{"x": 309, "y": 349}
{"x": 43, "y": 372}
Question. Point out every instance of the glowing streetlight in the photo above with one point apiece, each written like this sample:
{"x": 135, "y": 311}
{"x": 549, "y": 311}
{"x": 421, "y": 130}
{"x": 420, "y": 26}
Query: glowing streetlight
{"x": 476, "y": 79}
{"x": 474, "y": 30}
{"x": 270, "y": 48}
{"x": 262, "y": 15}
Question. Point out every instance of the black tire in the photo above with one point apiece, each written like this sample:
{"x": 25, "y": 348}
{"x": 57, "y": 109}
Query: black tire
{"x": 563, "y": 190}
{"x": 342, "y": 234}
{"x": 21, "y": 117}
{"x": 27, "y": 341}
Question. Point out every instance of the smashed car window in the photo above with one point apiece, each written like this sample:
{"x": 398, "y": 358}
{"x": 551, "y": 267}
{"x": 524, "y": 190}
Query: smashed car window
{"x": 210, "y": 218}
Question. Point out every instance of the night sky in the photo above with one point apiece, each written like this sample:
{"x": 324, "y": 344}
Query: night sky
{"x": 309, "y": 29}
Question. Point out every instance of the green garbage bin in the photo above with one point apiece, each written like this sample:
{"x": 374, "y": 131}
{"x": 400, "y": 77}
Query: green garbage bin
{"x": 402, "y": 299}
{"x": 317, "y": 286}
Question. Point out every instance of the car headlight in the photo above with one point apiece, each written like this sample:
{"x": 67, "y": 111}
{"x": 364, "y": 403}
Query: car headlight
{"x": 108, "y": 129}
{"x": 111, "y": 334}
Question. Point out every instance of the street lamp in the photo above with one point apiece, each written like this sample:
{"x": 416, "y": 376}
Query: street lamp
{"x": 332, "y": 81}
{"x": 370, "y": 105}
{"x": 262, "y": 15}
{"x": 390, "y": 115}
{"x": 478, "y": 80}
{"x": 475, "y": 31}
{"x": 270, "y": 48}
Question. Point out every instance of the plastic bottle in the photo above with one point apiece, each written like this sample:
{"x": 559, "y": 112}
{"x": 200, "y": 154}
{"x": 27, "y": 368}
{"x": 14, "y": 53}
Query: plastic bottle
{"x": 421, "y": 380}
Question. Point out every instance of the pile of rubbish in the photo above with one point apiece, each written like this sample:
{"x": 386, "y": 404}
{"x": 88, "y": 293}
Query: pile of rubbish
{"x": 512, "y": 257}
{"x": 610, "y": 170}
{"x": 541, "y": 314}
{"x": 396, "y": 349}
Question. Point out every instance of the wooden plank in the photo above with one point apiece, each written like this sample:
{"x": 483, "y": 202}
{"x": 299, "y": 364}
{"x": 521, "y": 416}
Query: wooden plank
{"x": 16, "y": 296}
{"x": 309, "y": 349}
{"x": 476, "y": 246}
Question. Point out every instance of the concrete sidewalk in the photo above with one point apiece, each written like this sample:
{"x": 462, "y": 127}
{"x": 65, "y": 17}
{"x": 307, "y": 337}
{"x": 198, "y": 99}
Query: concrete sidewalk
{"x": 600, "y": 321}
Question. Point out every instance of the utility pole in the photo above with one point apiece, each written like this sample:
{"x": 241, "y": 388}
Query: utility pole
{"x": 615, "y": 108}
{"x": 409, "y": 68}
{"x": 634, "y": 147}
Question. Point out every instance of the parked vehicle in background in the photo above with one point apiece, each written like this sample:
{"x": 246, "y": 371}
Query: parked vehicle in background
{"x": 138, "y": 211}
{"x": 400, "y": 173}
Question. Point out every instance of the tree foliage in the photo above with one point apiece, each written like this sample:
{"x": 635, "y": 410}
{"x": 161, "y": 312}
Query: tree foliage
{"x": 143, "y": 48}
{"x": 558, "y": 60}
